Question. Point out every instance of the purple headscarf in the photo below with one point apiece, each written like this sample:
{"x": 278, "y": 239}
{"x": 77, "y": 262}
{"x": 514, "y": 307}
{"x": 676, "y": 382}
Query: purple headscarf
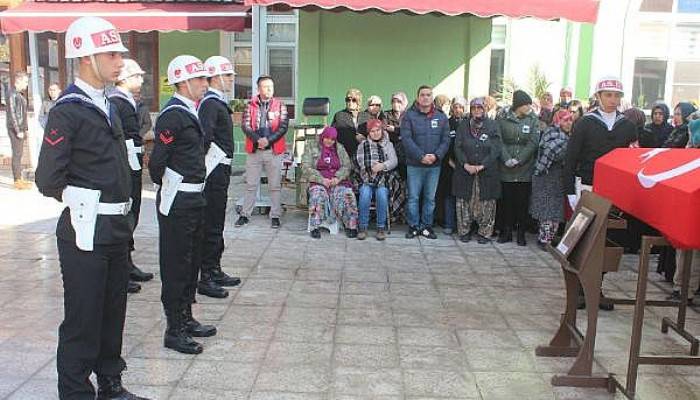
{"x": 328, "y": 161}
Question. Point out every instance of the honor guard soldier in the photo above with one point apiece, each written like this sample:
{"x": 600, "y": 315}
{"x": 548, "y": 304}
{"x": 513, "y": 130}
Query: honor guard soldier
{"x": 129, "y": 82}
{"x": 83, "y": 163}
{"x": 177, "y": 166}
{"x": 215, "y": 117}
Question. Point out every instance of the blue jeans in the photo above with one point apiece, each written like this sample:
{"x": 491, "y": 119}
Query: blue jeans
{"x": 450, "y": 212}
{"x": 422, "y": 184}
{"x": 382, "y": 199}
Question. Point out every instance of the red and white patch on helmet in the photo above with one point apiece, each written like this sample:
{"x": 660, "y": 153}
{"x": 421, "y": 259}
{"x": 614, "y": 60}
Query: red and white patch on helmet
{"x": 194, "y": 67}
{"x": 77, "y": 42}
{"x": 609, "y": 84}
{"x": 177, "y": 72}
{"x": 226, "y": 67}
{"x": 212, "y": 70}
{"x": 105, "y": 38}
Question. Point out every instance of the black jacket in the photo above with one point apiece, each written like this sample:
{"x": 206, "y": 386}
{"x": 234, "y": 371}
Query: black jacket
{"x": 678, "y": 138}
{"x": 16, "y": 115}
{"x": 347, "y": 129}
{"x": 181, "y": 146}
{"x": 215, "y": 117}
{"x": 129, "y": 116}
{"x": 482, "y": 150}
{"x": 83, "y": 147}
{"x": 590, "y": 139}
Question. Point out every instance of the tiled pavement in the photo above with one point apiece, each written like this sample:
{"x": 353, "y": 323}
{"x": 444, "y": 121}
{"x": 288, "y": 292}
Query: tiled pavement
{"x": 331, "y": 319}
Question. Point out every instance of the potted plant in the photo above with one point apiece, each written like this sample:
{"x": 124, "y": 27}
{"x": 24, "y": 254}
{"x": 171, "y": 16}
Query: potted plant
{"x": 238, "y": 106}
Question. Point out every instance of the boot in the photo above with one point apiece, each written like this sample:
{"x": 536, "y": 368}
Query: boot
{"x": 506, "y": 236}
{"x": 207, "y": 287}
{"x": 133, "y": 287}
{"x": 176, "y": 336}
{"x": 521, "y": 237}
{"x": 223, "y": 279}
{"x": 193, "y": 327}
{"x": 136, "y": 275}
{"x": 110, "y": 388}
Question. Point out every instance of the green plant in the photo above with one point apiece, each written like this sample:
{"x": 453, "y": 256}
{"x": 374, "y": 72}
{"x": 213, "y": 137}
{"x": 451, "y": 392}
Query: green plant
{"x": 237, "y": 105}
{"x": 538, "y": 83}
{"x": 505, "y": 90}
{"x": 641, "y": 101}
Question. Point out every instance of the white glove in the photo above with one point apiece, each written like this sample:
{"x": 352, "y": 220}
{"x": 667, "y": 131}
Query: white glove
{"x": 573, "y": 200}
{"x": 511, "y": 163}
{"x": 20, "y": 135}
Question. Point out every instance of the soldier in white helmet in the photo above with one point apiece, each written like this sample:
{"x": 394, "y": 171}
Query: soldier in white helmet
{"x": 594, "y": 135}
{"x": 177, "y": 166}
{"x": 129, "y": 82}
{"x": 215, "y": 116}
{"x": 83, "y": 163}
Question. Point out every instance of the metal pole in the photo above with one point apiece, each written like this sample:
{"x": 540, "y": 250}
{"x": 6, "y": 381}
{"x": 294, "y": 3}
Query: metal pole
{"x": 35, "y": 131}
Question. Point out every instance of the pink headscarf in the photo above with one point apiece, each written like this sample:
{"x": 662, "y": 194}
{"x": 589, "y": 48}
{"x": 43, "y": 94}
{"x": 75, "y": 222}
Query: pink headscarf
{"x": 328, "y": 161}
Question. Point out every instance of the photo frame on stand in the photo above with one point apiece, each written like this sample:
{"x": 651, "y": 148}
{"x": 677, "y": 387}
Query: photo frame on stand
{"x": 579, "y": 223}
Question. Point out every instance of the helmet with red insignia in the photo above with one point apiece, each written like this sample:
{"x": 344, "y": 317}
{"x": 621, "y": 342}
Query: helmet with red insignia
{"x": 88, "y": 36}
{"x": 185, "y": 67}
{"x": 609, "y": 84}
{"x": 218, "y": 65}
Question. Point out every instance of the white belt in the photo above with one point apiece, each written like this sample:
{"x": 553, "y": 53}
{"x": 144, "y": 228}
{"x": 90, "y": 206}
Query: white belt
{"x": 114, "y": 208}
{"x": 135, "y": 150}
{"x": 190, "y": 187}
{"x": 226, "y": 161}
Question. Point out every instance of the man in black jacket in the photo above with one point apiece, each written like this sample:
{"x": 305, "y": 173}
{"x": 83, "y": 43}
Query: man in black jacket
{"x": 215, "y": 117}
{"x": 17, "y": 126}
{"x": 83, "y": 163}
{"x": 130, "y": 80}
{"x": 177, "y": 166}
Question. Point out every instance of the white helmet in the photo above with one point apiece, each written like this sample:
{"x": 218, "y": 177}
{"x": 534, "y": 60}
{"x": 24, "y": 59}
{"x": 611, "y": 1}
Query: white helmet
{"x": 218, "y": 65}
{"x": 88, "y": 36}
{"x": 129, "y": 69}
{"x": 609, "y": 84}
{"x": 185, "y": 67}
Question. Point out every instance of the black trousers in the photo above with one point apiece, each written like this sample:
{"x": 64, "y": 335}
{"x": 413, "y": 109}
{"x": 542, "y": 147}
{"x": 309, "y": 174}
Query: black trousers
{"x": 136, "y": 186}
{"x": 94, "y": 297}
{"x": 216, "y": 194}
{"x": 17, "y": 150}
{"x": 180, "y": 247}
{"x": 516, "y": 204}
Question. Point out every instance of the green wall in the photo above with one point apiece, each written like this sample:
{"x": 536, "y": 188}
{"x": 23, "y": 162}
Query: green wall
{"x": 171, "y": 44}
{"x": 583, "y": 67}
{"x": 381, "y": 54}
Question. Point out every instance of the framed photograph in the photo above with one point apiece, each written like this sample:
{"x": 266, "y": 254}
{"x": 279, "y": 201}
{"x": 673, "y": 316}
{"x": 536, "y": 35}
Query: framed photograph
{"x": 580, "y": 222}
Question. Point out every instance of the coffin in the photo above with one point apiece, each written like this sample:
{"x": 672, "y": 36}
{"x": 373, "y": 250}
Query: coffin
{"x": 658, "y": 186}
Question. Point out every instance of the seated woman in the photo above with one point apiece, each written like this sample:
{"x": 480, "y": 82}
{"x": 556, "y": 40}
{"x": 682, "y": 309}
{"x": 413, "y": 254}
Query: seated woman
{"x": 327, "y": 167}
{"x": 476, "y": 181}
{"x": 377, "y": 160}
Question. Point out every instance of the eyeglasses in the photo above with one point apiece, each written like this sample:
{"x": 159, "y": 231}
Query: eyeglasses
{"x": 350, "y": 100}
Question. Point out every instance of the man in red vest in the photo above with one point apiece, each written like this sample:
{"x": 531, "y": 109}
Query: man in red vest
{"x": 265, "y": 123}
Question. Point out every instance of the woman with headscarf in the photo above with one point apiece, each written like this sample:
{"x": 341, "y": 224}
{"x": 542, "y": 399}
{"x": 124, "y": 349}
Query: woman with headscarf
{"x": 476, "y": 180}
{"x": 377, "y": 160}
{"x": 374, "y": 109}
{"x": 392, "y": 119}
{"x": 576, "y": 109}
{"x": 444, "y": 200}
{"x": 546, "y": 110}
{"x": 349, "y": 121}
{"x": 678, "y": 138}
{"x": 547, "y": 201}
{"x": 327, "y": 168}
{"x": 657, "y": 131}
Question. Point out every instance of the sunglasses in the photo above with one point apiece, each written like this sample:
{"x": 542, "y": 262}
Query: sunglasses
{"x": 350, "y": 100}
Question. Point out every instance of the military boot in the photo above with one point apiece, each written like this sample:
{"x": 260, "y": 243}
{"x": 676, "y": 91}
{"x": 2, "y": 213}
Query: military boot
{"x": 222, "y": 278}
{"x": 194, "y": 327}
{"x": 110, "y": 388}
{"x": 208, "y": 287}
{"x": 176, "y": 335}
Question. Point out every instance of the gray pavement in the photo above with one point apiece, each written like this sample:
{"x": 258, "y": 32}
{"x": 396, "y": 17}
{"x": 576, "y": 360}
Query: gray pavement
{"x": 331, "y": 318}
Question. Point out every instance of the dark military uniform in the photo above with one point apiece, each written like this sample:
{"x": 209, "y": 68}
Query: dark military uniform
{"x": 215, "y": 117}
{"x": 180, "y": 145}
{"x": 84, "y": 147}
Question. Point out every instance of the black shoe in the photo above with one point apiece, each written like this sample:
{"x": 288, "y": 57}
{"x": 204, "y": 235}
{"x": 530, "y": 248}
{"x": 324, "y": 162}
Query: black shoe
{"x": 242, "y": 220}
{"x": 210, "y": 288}
{"x": 506, "y": 236}
{"x": 193, "y": 327}
{"x": 521, "y": 237}
{"x": 223, "y": 279}
{"x": 133, "y": 287}
{"x": 605, "y": 303}
{"x": 351, "y": 233}
{"x": 176, "y": 336}
{"x": 137, "y": 275}
{"x": 316, "y": 234}
{"x": 110, "y": 388}
{"x": 542, "y": 245}
{"x": 428, "y": 233}
{"x": 412, "y": 232}
{"x": 275, "y": 223}
{"x": 466, "y": 238}
{"x": 482, "y": 239}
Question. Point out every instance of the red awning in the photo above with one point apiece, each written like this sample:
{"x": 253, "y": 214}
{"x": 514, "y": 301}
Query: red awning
{"x": 574, "y": 10}
{"x": 141, "y": 17}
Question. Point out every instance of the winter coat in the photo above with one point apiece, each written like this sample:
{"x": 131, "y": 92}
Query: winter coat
{"x": 520, "y": 137}
{"x": 482, "y": 150}
{"x": 347, "y": 129}
{"x": 310, "y": 160}
{"x": 425, "y": 133}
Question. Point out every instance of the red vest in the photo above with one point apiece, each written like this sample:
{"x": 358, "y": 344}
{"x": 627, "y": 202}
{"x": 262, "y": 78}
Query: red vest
{"x": 278, "y": 147}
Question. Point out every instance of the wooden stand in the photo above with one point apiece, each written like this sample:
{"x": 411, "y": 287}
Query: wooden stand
{"x": 585, "y": 265}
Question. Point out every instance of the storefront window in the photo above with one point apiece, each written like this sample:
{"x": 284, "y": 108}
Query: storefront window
{"x": 649, "y": 82}
{"x": 243, "y": 65}
{"x": 689, "y": 6}
{"x": 686, "y": 81}
{"x": 146, "y": 55}
{"x": 281, "y": 62}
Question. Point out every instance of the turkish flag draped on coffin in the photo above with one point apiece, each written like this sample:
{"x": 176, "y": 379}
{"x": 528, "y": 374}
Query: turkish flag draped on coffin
{"x": 658, "y": 186}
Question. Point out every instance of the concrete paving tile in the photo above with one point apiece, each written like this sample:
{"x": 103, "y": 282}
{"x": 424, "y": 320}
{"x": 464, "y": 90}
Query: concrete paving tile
{"x": 474, "y": 338}
{"x": 287, "y": 353}
{"x": 235, "y": 330}
{"x": 23, "y": 364}
{"x": 369, "y": 356}
{"x": 36, "y": 389}
{"x": 294, "y": 378}
{"x": 312, "y": 300}
{"x": 308, "y": 315}
{"x": 433, "y": 358}
{"x": 253, "y": 314}
{"x": 371, "y": 288}
{"x": 243, "y": 351}
{"x": 205, "y": 393}
{"x": 365, "y": 316}
{"x": 154, "y": 372}
{"x": 358, "y": 334}
{"x": 286, "y": 396}
{"x": 210, "y": 374}
{"x": 426, "y": 337}
{"x": 9, "y": 384}
{"x": 309, "y": 333}
{"x": 367, "y": 382}
{"x": 440, "y": 383}
{"x": 364, "y": 301}
{"x": 511, "y": 360}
